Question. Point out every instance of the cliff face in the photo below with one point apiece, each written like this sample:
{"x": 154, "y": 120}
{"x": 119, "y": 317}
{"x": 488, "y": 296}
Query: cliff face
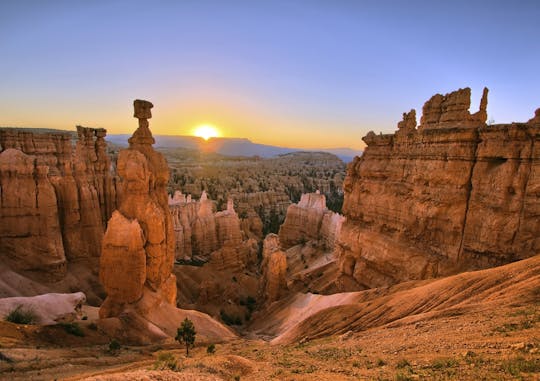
{"x": 75, "y": 196}
{"x": 30, "y": 235}
{"x": 450, "y": 194}
{"x": 310, "y": 220}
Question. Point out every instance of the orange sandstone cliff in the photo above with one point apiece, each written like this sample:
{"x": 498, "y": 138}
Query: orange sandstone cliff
{"x": 55, "y": 198}
{"x": 448, "y": 195}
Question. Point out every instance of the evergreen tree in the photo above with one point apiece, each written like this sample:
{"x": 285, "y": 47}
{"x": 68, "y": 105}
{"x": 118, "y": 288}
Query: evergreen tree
{"x": 186, "y": 334}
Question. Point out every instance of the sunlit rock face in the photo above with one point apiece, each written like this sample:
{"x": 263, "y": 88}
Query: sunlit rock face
{"x": 310, "y": 220}
{"x": 59, "y": 195}
{"x": 448, "y": 195}
{"x": 138, "y": 248}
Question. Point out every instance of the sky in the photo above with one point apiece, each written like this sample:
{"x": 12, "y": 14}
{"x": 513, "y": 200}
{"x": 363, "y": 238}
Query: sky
{"x": 306, "y": 74}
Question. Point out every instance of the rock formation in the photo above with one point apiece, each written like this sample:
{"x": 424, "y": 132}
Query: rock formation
{"x": 204, "y": 235}
{"x": 72, "y": 191}
{"x": 310, "y": 220}
{"x": 48, "y": 308}
{"x": 450, "y": 195}
{"x": 274, "y": 270}
{"x": 138, "y": 248}
{"x": 30, "y": 234}
{"x": 194, "y": 225}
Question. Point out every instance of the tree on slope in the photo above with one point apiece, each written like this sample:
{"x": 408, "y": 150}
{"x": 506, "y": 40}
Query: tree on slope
{"x": 186, "y": 334}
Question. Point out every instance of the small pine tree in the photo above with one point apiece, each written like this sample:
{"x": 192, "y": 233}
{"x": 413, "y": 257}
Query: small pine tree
{"x": 186, "y": 334}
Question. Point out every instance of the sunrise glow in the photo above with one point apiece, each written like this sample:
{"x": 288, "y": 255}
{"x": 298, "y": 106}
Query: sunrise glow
{"x": 206, "y": 131}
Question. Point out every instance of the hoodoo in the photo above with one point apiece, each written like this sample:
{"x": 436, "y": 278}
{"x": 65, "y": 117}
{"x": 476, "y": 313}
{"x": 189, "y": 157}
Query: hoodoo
{"x": 138, "y": 247}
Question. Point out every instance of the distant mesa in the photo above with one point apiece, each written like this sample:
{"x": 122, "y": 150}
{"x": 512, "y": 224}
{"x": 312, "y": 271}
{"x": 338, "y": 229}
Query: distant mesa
{"x": 232, "y": 146}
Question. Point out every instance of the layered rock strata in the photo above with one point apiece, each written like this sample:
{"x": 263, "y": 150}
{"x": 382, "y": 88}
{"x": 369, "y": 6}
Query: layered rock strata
{"x": 448, "y": 195}
{"x": 73, "y": 195}
{"x": 138, "y": 248}
{"x": 310, "y": 220}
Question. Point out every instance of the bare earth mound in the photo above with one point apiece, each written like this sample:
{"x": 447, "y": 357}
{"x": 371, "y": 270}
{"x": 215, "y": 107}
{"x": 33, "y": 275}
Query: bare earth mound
{"x": 314, "y": 316}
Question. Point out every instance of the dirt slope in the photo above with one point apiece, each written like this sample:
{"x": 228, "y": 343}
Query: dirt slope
{"x": 313, "y": 316}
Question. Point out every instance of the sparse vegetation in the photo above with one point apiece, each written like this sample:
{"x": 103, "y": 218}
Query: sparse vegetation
{"x": 403, "y": 363}
{"x": 211, "y": 349}
{"x": 402, "y": 377}
{"x": 229, "y": 319}
{"x": 519, "y": 365}
{"x": 443, "y": 363}
{"x": 114, "y": 346}
{"x": 186, "y": 334}
{"x": 21, "y": 315}
{"x": 333, "y": 353}
{"x": 166, "y": 360}
{"x": 72, "y": 328}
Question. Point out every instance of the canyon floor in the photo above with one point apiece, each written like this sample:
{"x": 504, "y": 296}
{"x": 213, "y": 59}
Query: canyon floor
{"x": 488, "y": 333}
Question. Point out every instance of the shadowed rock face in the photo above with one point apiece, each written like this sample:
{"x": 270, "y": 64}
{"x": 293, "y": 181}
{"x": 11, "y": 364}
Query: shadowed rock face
{"x": 138, "y": 248}
{"x": 450, "y": 195}
{"x": 73, "y": 193}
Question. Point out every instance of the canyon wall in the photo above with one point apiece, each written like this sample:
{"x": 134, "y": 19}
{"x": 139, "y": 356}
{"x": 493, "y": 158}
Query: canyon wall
{"x": 449, "y": 195}
{"x": 310, "y": 220}
{"x": 55, "y": 198}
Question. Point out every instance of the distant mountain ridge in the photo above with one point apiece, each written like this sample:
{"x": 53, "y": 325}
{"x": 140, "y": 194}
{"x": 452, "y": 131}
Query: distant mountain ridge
{"x": 232, "y": 146}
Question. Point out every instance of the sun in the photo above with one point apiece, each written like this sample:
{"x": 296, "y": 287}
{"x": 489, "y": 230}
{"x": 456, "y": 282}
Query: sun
{"x": 206, "y": 131}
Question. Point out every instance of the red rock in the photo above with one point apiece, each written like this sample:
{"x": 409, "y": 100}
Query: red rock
{"x": 310, "y": 220}
{"x": 452, "y": 195}
{"x": 274, "y": 268}
{"x": 143, "y": 212}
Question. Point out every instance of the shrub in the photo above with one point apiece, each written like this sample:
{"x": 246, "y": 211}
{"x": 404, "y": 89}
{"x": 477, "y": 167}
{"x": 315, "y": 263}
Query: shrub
{"x": 443, "y": 363}
{"x": 381, "y": 362}
{"x": 230, "y": 320}
{"x": 211, "y": 349}
{"x": 73, "y": 329}
{"x": 114, "y": 346}
{"x": 402, "y": 377}
{"x": 19, "y": 315}
{"x": 519, "y": 364}
{"x": 403, "y": 363}
{"x": 166, "y": 360}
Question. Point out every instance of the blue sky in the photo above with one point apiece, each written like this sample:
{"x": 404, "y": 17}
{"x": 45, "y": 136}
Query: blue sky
{"x": 296, "y": 73}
